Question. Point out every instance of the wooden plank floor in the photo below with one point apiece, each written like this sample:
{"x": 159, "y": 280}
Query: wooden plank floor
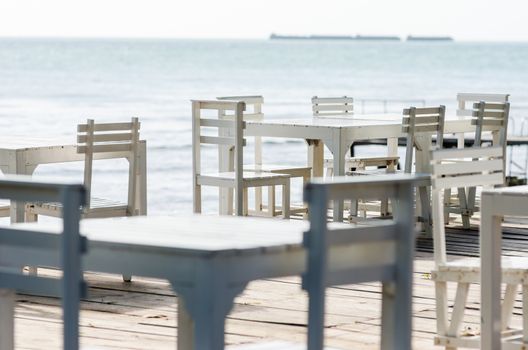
{"x": 142, "y": 314}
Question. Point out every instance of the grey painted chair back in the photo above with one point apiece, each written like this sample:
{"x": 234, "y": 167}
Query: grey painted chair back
{"x": 235, "y": 126}
{"x": 377, "y": 251}
{"x": 492, "y": 114}
{"x": 418, "y": 122}
{"x": 42, "y": 249}
{"x": 332, "y": 106}
{"x": 108, "y": 138}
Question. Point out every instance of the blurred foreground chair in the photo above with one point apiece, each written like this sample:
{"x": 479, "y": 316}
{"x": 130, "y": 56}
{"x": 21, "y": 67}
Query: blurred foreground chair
{"x": 254, "y": 112}
{"x": 20, "y": 247}
{"x": 343, "y": 107}
{"x": 112, "y": 140}
{"x": 239, "y": 180}
{"x": 382, "y": 251}
{"x": 476, "y": 166}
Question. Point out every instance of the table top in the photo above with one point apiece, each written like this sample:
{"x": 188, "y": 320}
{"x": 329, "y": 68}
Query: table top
{"x": 16, "y": 142}
{"x": 343, "y": 122}
{"x": 196, "y": 235}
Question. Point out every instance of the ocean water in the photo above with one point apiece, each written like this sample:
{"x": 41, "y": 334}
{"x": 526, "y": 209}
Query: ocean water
{"x": 47, "y": 86}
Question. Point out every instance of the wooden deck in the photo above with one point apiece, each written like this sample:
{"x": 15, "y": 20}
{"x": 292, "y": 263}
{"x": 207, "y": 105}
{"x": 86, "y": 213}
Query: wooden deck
{"x": 142, "y": 314}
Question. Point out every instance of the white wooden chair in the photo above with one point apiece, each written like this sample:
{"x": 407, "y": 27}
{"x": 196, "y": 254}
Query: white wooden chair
{"x": 378, "y": 251}
{"x": 120, "y": 139}
{"x": 254, "y": 112}
{"x": 21, "y": 247}
{"x": 491, "y": 111}
{"x": 477, "y": 166}
{"x": 238, "y": 179}
{"x": 343, "y": 107}
{"x": 419, "y": 125}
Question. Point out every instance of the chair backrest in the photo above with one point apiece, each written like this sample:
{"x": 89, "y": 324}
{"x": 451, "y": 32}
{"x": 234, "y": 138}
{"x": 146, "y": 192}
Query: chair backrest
{"x": 465, "y": 167}
{"x": 110, "y": 140}
{"x": 253, "y": 112}
{"x": 21, "y": 247}
{"x": 234, "y": 126}
{"x": 380, "y": 251}
{"x": 491, "y": 114}
{"x": 332, "y": 106}
{"x": 418, "y": 122}
{"x": 465, "y": 101}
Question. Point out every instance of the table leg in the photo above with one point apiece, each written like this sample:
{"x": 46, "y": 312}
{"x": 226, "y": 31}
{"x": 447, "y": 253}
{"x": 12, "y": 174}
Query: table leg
{"x": 7, "y": 319}
{"x": 490, "y": 259}
{"x": 339, "y": 151}
{"x": 316, "y": 157}
{"x": 17, "y": 165}
{"x": 202, "y": 308}
{"x": 141, "y": 183}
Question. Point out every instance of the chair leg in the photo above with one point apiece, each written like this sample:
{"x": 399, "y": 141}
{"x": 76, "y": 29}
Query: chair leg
{"x": 197, "y": 199}
{"x": 271, "y": 201}
{"x": 525, "y": 312}
{"x": 258, "y": 199}
{"x": 447, "y": 202}
{"x": 426, "y": 209}
{"x": 30, "y": 217}
{"x": 245, "y": 204}
{"x": 306, "y": 179}
{"x": 507, "y": 305}
{"x": 462, "y": 199}
{"x": 286, "y": 199}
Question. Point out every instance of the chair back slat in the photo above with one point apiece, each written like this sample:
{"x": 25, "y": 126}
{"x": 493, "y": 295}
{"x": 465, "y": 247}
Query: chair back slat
{"x": 378, "y": 251}
{"x": 417, "y": 122}
{"x": 466, "y": 100}
{"x": 24, "y": 246}
{"x": 332, "y": 106}
{"x": 119, "y": 138}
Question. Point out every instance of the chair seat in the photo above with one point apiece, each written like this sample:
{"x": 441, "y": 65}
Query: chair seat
{"x": 297, "y": 171}
{"x": 272, "y": 345}
{"x": 514, "y": 270}
{"x": 373, "y": 172}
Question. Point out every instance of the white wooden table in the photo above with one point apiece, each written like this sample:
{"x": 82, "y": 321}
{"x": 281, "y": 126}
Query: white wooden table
{"x": 338, "y": 134}
{"x": 495, "y": 204}
{"x": 21, "y": 155}
{"x": 208, "y": 260}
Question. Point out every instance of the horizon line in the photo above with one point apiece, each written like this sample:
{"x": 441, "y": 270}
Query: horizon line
{"x": 266, "y": 38}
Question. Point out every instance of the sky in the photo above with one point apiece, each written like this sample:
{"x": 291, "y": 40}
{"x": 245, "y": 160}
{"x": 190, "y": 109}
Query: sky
{"x": 478, "y": 20}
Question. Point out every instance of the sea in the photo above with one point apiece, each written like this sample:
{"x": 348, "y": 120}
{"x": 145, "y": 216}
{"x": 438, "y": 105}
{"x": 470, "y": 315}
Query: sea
{"x": 49, "y": 85}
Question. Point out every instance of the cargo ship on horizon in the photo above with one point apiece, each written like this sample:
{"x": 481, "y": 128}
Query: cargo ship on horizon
{"x": 274, "y": 36}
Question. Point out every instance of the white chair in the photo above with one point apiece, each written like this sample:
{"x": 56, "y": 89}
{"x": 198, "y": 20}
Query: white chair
{"x": 25, "y": 246}
{"x": 485, "y": 114}
{"x": 419, "y": 125}
{"x": 239, "y": 180}
{"x": 108, "y": 141}
{"x": 378, "y": 251}
{"x": 254, "y": 112}
{"x": 476, "y": 166}
{"x": 343, "y": 107}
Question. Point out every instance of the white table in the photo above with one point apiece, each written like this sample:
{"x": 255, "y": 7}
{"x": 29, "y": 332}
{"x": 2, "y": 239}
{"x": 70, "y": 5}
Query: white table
{"x": 21, "y": 155}
{"x": 207, "y": 259}
{"x": 495, "y": 204}
{"x": 338, "y": 134}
